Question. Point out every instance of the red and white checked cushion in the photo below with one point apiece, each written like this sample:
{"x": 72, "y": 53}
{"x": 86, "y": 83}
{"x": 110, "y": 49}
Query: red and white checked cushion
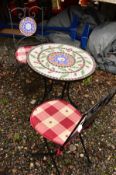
{"x": 21, "y": 53}
{"x": 55, "y": 120}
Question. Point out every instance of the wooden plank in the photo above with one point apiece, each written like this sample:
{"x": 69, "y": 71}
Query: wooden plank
{"x": 10, "y": 31}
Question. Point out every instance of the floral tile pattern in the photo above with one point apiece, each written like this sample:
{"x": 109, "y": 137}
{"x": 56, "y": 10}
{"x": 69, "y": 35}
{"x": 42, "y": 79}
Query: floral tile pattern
{"x": 61, "y": 62}
{"x": 27, "y": 26}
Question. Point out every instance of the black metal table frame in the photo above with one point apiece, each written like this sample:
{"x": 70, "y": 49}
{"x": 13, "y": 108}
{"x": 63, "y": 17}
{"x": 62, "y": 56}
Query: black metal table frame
{"x": 47, "y": 90}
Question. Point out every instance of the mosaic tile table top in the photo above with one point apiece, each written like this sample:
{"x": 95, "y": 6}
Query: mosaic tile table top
{"x": 61, "y": 62}
{"x": 27, "y": 26}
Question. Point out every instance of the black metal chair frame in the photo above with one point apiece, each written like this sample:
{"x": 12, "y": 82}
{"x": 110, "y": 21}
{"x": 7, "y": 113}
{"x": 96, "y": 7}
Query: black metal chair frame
{"x": 86, "y": 121}
{"x": 18, "y": 40}
{"x": 22, "y": 13}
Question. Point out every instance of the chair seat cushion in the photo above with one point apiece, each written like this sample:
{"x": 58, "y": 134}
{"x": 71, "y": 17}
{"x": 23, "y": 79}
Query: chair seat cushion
{"x": 22, "y": 52}
{"x": 55, "y": 120}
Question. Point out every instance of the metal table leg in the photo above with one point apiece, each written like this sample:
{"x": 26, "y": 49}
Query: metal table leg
{"x": 68, "y": 95}
{"x": 47, "y": 90}
{"x": 64, "y": 89}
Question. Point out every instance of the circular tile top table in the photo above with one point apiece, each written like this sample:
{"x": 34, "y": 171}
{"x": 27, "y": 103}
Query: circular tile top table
{"x": 27, "y": 26}
{"x": 61, "y": 62}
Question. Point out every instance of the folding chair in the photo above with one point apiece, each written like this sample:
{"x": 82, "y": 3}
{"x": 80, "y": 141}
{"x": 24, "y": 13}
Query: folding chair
{"x": 59, "y": 122}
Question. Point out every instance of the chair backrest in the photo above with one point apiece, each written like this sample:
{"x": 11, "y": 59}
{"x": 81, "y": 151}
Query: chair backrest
{"x": 16, "y": 15}
{"x": 89, "y": 117}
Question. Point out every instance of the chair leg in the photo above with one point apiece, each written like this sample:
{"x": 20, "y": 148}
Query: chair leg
{"x": 86, "y": 153}
{"x": 52, "y": 158}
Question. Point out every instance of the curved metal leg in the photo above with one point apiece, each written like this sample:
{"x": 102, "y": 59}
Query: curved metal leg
{"x": 64, "y": 89}
{"x": 47, "y": 90}
{"x": 68, "y": 95}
